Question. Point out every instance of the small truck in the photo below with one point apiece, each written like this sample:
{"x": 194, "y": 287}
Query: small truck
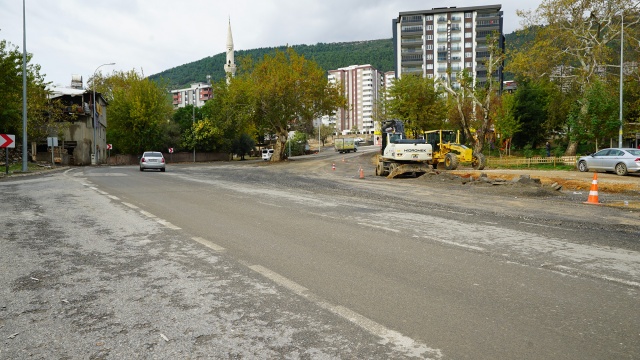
{"x": 345, "y": 145}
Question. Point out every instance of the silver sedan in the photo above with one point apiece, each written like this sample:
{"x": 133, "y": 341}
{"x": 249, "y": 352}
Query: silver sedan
{"x": 152, "y": 160}
{"x": 620, "y": 160}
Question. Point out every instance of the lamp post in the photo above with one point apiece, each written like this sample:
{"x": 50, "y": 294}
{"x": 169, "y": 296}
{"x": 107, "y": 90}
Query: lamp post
{"x": 95, "y": 145}
{"x": 621, "y": 73}
{"x": 193, "y": 120}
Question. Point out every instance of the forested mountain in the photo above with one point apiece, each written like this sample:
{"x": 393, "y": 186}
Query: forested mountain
{"x": 378, "y": 53}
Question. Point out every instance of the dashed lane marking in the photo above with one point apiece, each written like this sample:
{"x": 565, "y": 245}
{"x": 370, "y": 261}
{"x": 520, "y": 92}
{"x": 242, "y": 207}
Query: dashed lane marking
{"x": 398, "y": 341}
{"x": 209, "y": 244}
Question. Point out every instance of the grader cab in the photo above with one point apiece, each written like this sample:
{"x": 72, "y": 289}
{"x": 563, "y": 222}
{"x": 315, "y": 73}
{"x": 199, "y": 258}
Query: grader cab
{"x": 448, "y": 151}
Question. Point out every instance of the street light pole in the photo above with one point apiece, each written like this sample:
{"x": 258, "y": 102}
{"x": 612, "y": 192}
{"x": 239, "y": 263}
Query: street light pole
{"x": 95, "y": 145}
{"x": 193, "y": 120}
{"x": 621, "y": 73}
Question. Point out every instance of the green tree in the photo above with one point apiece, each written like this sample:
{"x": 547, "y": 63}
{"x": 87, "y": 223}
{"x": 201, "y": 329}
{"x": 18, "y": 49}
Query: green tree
{"x": 573, "y": 44}
{"x": 595, "y": 116}
{"x": 243, "y": 145}
{"x": 284, "y": 91}
{"x": 325, "y": 132}
{"x": 418, "y": 103}
{"x": 44, "y": 116}
{"x": 506, "y": 121}
{"x": 139, "y": 114}
{"x": 530, "y": 109}
{"x": 481, "y": 97}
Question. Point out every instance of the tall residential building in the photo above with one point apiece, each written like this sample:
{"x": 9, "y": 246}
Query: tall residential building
{"x": 360, "y": 85}
{"x": 230, "y": 64}
{"x": 197, "y": 95}
{"x": 428, "y": 42}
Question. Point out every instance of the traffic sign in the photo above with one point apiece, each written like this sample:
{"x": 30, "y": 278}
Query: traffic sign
{"x": 109, "y": 147}
{"x": 7, "y": 141}
{"x": 170, "y": 150}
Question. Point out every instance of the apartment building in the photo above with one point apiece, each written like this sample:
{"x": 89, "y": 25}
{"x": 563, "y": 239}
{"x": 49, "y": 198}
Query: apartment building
{"x": 197, "y": 94}
{"x": 361, "y": 85}
{"x": 428, "y": 42}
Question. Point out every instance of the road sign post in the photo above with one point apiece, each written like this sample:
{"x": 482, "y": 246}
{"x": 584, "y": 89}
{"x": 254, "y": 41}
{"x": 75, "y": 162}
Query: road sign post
{"x": 7, "y": 141}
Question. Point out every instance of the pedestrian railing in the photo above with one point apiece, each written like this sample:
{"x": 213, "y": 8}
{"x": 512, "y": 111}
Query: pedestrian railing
{"x": 522, "y": 161}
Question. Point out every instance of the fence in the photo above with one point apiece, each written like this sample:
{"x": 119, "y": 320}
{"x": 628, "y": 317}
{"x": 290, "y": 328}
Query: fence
{"x": 180, "y": 157}
{"x": 520, "y": 161}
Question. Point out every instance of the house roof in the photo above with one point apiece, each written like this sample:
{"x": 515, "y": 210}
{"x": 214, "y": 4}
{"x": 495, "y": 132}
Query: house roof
{"x": 57, "y": 92}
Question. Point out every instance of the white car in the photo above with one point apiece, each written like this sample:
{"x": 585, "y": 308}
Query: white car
{"x": 152, "y": 160}
{"x": 267, "y": 154}
{"x": 620, "y": 160}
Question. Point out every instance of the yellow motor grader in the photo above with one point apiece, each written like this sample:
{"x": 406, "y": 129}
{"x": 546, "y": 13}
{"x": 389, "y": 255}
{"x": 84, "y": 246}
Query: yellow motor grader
{"x": 448, "y": 151}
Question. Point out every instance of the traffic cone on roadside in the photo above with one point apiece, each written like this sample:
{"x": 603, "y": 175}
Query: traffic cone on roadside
{"x": 361, "y": 173}
{"x": 333, "y": 167}
{"x": 593, "y": 193}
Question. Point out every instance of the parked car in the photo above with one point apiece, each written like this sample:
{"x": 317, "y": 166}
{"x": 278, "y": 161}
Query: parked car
{"x": 620, "y": 160}
{"x": 152, "y": 160}
{"x": 358, "y": 140}
{"x": 267, "y": 154}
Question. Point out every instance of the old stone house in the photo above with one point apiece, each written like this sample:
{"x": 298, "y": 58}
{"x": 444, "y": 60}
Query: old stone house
{"x": 77, "y": 142}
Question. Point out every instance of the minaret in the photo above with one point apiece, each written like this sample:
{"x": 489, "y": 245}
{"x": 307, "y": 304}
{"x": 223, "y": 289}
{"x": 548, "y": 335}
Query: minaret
{"x": 230, "y": 65}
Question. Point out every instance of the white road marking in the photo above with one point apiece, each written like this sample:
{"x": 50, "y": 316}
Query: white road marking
{"x": 567, "y": 269}
{"x": 478, "y": 248}
{"x": 129, "y": 205}
{"x": 380, "y": 227}
{"x": 400, "y": 342}
{"x": 209, "y": 244}
{"x": 147, "y": 214}
{"x": 547, "y": 226}
{"x": 168, "y": 224}
{"x": 113, "y": 197}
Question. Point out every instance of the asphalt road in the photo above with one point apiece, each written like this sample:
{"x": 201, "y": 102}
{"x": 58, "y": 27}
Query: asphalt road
{"x": 297, "y": 260}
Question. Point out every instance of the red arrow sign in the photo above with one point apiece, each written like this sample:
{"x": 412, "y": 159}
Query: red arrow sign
{"x": 109, "y": 147}
{"x": 7, "y": 141}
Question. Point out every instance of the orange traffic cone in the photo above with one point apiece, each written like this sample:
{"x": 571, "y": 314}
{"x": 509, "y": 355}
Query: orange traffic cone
{"x": 333, "y": 167}
{"x": 343, "y": 159}
{"x": 361, "y": 173}
{"x": 593, "y": 193}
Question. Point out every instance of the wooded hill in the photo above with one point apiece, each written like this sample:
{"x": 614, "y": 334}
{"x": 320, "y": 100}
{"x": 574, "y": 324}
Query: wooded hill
{"x": 378, "y": 53}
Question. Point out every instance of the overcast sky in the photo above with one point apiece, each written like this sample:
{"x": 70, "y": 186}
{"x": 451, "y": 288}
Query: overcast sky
{"x": 76, "y": 36}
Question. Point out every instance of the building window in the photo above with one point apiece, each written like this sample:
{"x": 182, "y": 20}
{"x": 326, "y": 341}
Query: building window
{"x": 429, "y": 56}
{"x": 429, "y": 47}
{"x": 468, "y": 64}
{"x": 429, "y": 66}
{"x": 468, "y": 54}
{"x": 429, "y": 17}
{"x": 468, "y": 35}
{"x": 468, "y": 45}
{"x": 468, "y": 25}
{"x": 468, "y": 15}
{"x": 429, "y": 37}
{"x": 429, "y": 27}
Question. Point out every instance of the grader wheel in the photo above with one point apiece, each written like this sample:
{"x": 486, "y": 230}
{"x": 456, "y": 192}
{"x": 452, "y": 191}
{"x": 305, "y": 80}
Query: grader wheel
{"x": 450, "y": 161}
{"x": 478, "y": 162}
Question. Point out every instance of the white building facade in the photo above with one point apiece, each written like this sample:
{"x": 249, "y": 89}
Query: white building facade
{"x": 361, "y": 85}
{"x": 197, "y": 94}
{"x": 429, "y": 42}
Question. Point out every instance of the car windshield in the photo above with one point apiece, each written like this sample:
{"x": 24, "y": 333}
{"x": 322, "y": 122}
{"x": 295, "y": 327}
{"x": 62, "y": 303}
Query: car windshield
{"x": 152, "y": 154}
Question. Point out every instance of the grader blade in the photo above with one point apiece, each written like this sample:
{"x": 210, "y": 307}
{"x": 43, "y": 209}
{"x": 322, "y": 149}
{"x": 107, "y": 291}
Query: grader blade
{"x": 408, "y": 169}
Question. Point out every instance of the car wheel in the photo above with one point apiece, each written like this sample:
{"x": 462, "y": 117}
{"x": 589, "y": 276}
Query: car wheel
{"x": 141, "y": 169}
{"x": 582, "y": 166}
{"x": 621, "y": 169}
{"x": 163, "y": 169}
